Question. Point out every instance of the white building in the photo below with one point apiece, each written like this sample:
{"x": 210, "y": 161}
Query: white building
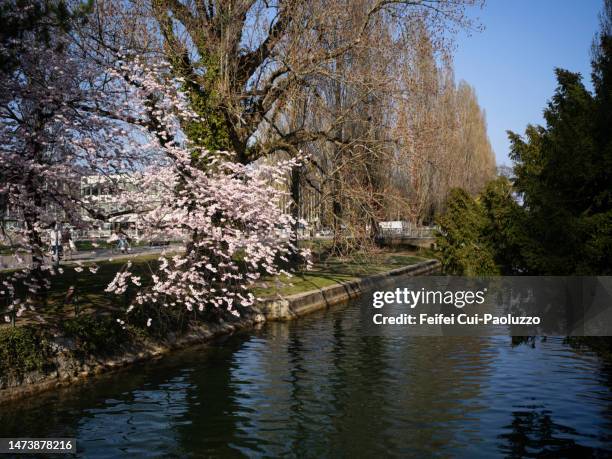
{"x": 102, "y": 193}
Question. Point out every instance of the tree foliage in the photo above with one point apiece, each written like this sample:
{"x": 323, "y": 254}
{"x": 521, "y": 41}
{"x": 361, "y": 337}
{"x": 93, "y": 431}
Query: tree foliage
{"x": 357, "y": 85}
{"x": 20, "y": 20}
{"x": 72, "y": 109}
{"x": 462, "y": 246}
{"x": 503, "y": 223}
{"x": 563, "y": 182}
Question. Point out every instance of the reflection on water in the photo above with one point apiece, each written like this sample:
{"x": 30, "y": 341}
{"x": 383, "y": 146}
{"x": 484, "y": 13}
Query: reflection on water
{"x": 315, "y": 387}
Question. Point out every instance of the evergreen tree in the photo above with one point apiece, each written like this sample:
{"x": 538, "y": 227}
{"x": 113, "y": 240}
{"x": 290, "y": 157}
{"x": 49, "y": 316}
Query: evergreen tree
{"x": 461, "y": 247}
{"x": 564, "y": 172}
{"x": 503, "y": 228}
{"x": 598, "y": 246}
{"x": 555, "y": 167}
{"x": 563, "y": 178}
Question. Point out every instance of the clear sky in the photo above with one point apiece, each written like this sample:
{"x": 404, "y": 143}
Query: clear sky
{"x": 511, "y": 62}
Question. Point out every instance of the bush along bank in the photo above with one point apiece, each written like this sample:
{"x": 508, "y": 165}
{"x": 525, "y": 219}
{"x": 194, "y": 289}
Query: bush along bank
{"x": 35, "y": 358}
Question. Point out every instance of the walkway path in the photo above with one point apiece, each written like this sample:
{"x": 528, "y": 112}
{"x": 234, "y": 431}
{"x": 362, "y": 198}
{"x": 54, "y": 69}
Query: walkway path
{"x": 9, "y": 262}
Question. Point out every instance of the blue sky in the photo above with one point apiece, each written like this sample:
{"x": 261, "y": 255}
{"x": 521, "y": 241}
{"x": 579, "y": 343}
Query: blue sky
{"x": 511, "y": 62}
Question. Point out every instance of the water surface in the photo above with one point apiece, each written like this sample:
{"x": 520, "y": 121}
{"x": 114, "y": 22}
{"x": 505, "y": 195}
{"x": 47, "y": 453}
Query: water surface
{"x": 317, "y": 388}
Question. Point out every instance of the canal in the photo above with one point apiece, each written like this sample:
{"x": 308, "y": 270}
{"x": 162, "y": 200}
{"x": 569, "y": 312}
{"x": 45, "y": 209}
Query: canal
{"x": 317, "y": 388}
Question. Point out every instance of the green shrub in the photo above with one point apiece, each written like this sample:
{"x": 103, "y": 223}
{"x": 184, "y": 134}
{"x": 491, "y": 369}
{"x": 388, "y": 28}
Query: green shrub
{"x": 96, "y": 335}
{"x": 23, "y": 349}
{"x": 164, "y": 320}
{"x": 460, "y": 246}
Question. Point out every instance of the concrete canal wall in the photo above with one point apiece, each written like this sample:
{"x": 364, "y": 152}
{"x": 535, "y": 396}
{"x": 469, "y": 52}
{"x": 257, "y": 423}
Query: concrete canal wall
{"x": 297, "y": 305}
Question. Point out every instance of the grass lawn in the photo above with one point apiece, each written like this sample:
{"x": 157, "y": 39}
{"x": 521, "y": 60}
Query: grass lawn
{"x": 335, "y": 270}
{"x": 89, "y": 288}
{"x": 91, "y": 296}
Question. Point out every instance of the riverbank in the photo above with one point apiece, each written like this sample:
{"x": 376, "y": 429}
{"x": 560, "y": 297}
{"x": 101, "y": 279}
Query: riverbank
{"x": 61, "y": 359}
{"x": 89, "y": 286}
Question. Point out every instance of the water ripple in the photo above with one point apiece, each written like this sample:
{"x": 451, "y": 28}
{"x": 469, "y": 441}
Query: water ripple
{"x": 316, "y": 387}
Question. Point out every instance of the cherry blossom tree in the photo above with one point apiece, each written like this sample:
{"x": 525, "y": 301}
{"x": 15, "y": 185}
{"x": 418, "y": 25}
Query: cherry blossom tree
{"x": 62, "y": 118}
{"x": 68, "y": 112}
{"x": 230, "y": 214}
